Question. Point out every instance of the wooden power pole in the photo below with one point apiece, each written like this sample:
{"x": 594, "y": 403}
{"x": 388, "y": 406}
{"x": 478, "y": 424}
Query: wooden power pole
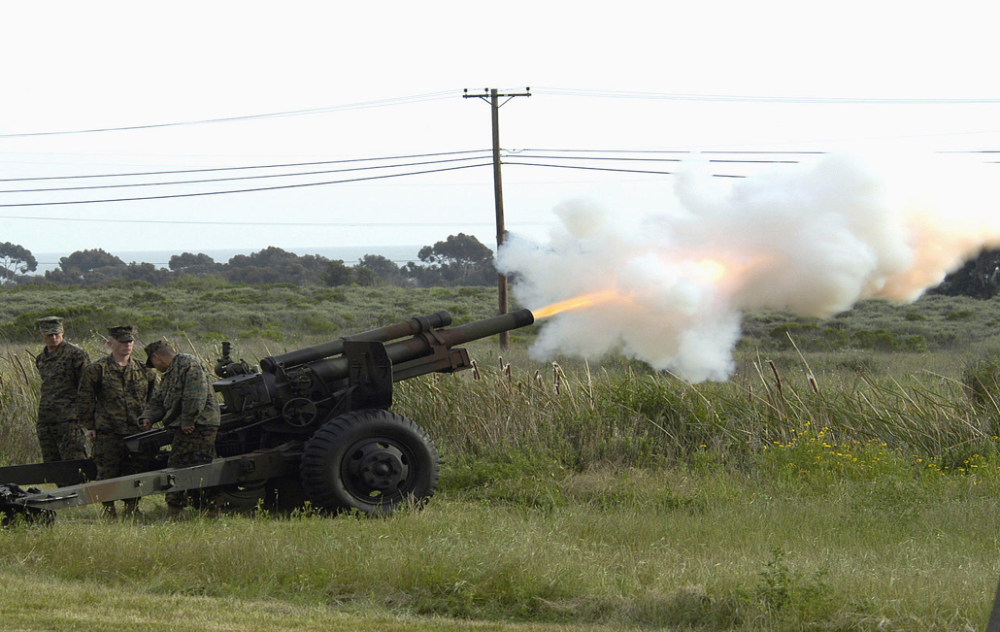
{"x": 494, "y": 101}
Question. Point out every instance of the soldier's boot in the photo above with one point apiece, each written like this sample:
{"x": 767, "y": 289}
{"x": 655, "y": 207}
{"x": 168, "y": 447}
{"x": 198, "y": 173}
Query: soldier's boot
{"x": 175, "y": 513}
{"x": 108, "y": 512}
{"x": 131, "y": 509}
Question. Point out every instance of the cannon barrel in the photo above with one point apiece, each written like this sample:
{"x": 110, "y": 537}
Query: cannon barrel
{"x": 336, "y": 347}
{"x": 333, "y": 369}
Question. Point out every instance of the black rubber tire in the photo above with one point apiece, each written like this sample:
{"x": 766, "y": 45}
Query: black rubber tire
{"x": 284, "y": 494}
{"x": 244, "y": 499}
{"x": 372, "y": 461}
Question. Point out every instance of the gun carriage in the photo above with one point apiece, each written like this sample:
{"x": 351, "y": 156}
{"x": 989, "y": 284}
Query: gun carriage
{"x": 312, "y": 425}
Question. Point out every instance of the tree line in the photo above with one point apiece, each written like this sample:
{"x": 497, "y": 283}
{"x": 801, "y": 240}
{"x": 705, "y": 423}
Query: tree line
{"x": 458, "y": 260}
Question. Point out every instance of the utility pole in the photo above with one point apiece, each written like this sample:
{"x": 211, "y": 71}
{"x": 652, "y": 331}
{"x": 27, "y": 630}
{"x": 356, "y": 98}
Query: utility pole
{"x": 494, "y": 101}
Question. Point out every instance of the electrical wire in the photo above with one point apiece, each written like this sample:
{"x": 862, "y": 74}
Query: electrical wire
{"x": 571, "y": 92}
{"x": 239, "y": 178}
{"x": 793, "y": 162}
{"x": 273, "y": 224}
{"x": 508, "y": 157}
{"x": 273, "y": 166}
{"x": 481, "y": 153}
{"x": 602, "y": 158}
{"x": 249, "y": 117}
{"x": 254, "y": 190}
{"x": 662, "y": 173}
{"x": 676, "y": 151}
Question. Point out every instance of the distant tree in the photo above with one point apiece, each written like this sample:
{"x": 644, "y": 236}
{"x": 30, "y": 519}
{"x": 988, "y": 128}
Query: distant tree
{"x": 978, "y": 278}
{"x": 337, "y": 273}
{"x": 263, "y": 258}
{"x": 103, "y": 275}
{"x": 458, "y": 260}
{"x": 274, "y": 265}
{"x": 460, "y": 248}
{"x": 15, "y": 259}
{"x": 385, "y": 269}
{"x": 193, "y": 264}
{"x": 61, "y": 277}
{"x": 188, "y": 260}
{"x": 86, "y": 260}
{"x": 366, "y": 277}
{"x": 146, "y": 272}
{"x": 87, "y": 267}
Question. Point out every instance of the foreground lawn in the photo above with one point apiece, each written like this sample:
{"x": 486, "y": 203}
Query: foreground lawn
{"x": 71, "y": 606}
{"x": 679, "y": 549}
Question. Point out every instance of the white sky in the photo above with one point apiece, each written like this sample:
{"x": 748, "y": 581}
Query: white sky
{"x": 81, "y": 66}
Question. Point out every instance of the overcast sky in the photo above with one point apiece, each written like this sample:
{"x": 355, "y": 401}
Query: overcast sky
{"x": 377, "y": 80}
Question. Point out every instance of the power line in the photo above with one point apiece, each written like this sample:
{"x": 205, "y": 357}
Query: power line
{"x": 607, "y": 158}
{"x": 230, "y": 119}
{"x": 506, "y": 153}
{"x": 366, "y": 168}
{"x": 238, "y": 178}
{"x": 88, "y": 220}
{"x": 589, "y": 155}
{"x": 661, "y": 173}
{"x": 244, "y": 167}
{"x": 676, "y": 151}
{"x": 572, "y": 92}
{"x": 756, "y": 99}
{"x": 254, "y": 190}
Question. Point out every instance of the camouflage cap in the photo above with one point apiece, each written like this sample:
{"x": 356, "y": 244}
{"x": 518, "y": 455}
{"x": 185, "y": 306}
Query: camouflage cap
{"x": 50, "y": 325}
{"x": 123, "y": 333}
{"x": 156, "y": 346}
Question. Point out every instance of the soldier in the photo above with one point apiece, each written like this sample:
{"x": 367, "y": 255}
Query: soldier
{"x": 60, "y": 364}
{"x": 113, "y": 392}
{"x": 186, "y": 403}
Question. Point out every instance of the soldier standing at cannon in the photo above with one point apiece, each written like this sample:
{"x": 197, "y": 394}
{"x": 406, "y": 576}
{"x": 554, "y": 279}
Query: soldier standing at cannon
{"x": 186, "y": 403}
{"x": 61, "y": 365}
{"x": 113, "y": 392}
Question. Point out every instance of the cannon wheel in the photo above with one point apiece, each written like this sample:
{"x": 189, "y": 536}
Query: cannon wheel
{"x": 244, "y": 498}
{"x": 371, "y": 461}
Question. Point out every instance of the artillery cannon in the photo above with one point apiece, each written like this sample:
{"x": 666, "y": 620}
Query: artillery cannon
{"x": 312, "y": 425}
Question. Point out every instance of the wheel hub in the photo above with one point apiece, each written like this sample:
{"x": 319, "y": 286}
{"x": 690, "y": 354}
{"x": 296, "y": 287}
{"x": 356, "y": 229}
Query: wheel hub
{"x": 381, "y": 467}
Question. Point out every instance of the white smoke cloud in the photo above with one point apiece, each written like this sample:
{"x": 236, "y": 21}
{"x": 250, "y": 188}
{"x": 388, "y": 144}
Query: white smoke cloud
{"x": 812, "y": 239}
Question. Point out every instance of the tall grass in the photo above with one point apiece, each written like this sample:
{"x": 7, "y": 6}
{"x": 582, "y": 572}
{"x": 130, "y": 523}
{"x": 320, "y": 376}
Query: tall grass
{"x": 19, "y": 389}
{"x": 845, "y": 488}
{"x": 636, "y": 418}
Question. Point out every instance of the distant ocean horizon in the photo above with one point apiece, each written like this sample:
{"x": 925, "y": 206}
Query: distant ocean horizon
{"x": 161, "y": 258}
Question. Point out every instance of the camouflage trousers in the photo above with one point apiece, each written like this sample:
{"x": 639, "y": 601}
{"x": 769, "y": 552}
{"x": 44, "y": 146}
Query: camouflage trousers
{"x": 61, "y": 441}
{"x": 192, "y": 449}
{"x": 113, "y": 459}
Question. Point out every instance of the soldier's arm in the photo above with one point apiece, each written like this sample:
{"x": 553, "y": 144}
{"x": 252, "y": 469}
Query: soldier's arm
{"x": 154, "y": 410}
{"x": 86, "y": 396}
{"x": 80, "y": 362}
{"x": 194, "y": 394}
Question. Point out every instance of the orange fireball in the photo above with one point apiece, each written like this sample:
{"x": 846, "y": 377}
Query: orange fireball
{"x": 577, "y": 302}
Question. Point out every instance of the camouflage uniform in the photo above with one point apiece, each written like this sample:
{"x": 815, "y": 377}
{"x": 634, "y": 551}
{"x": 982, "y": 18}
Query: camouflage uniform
{"x": 109, "y": 401}
{"x": 185, "y": 397}
{"x": 59, "y": 433}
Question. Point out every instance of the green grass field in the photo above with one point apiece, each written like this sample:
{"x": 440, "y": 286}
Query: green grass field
{"x": 848, "y": 481}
